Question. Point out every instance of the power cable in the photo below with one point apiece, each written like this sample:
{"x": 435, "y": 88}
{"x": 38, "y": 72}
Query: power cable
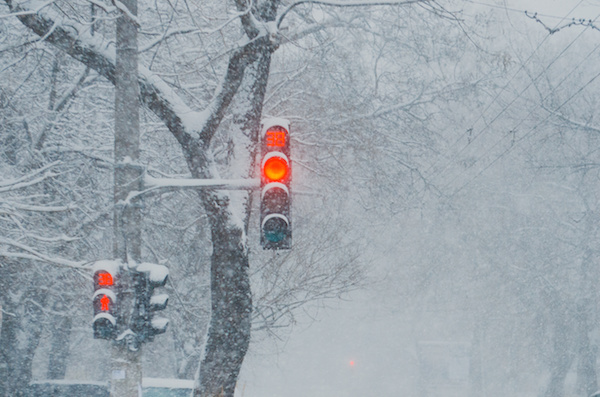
{"x": 505, "y": 152}
{"x": 520, "y": 11}
{"x": 438, "y": 172}
{"x": 530, "y": 112}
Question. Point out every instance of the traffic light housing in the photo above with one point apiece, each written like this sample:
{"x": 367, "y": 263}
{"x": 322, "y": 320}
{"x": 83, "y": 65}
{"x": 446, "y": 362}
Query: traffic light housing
{"x": 105, "y": 299}
{"x": 276, "y": 177}
{"x": 150, "y": 276}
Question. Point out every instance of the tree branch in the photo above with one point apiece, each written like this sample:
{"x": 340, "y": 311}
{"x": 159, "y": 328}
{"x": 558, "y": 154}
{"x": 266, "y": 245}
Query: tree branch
{"x": 333, "y": 3}
{"x": 36, "y": 256}
{"x": 588, "y": 23}
{"x": 573, "y": 122}
{"x": 28, "y": 180}
{"x": 97, "y": 53}
{"x": 238, "y": 62}
{"x": 249, "y": 22}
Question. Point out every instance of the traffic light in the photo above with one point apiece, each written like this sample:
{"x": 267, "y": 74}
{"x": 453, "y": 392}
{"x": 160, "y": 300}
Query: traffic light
{"x": 150, "y": 276}
{"x": 276, "y": 177}
{"x": 105, "y": 301}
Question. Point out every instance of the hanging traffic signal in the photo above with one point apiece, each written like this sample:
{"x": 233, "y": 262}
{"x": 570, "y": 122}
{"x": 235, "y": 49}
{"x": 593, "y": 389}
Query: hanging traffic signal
{"x": 106, "y": 274}
{"x": 148, "y": 277}
{"x": 276, "y": 176}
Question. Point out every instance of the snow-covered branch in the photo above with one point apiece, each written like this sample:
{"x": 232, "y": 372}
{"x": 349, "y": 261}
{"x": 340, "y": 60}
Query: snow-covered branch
{"x": 30, "y": 179}
{"x": 27, "y": 252}
{"x": 575, "y": 123}
{"x": 334, "y": 3}
{"x": 181, "y": 183}
{"x": 39, "y": 208}
{"x": 167, "y": 34}
{"x": 251, "y": 25}
{"x": 98, "y": 53}
{"x": 126, "y": 12}
{"x": 24, "y": 12}
{"x": 106, "y": 8}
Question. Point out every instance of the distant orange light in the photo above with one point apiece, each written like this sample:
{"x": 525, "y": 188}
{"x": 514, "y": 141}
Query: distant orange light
{"x": 275, "y": 168}
{"x": 352, "y": 363}
{"x": 105, "y": 303}
{"x": 105, "y": 279}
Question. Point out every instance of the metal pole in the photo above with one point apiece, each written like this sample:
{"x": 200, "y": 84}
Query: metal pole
{"x": 126, "y": 366}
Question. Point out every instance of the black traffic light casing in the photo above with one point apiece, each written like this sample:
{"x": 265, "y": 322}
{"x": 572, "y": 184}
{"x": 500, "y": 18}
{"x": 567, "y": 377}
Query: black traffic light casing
{"x": 147, "y": 278}
{"x": 276, "y": 177}
{"x": 105, "y": 299}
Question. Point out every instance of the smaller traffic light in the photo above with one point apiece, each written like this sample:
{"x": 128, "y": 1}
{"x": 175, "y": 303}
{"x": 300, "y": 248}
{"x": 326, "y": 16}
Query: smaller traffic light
{"x": 276, "y": 176}
{"x": 105, "y": 301}
{"x": 151, "y": 276}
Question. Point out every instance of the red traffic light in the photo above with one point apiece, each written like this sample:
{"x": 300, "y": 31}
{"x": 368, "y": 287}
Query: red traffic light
{"x": 275, "y": 137}
{"x": 105, "y": 279}
{"x": 275, "y": 168}
{"x": 104, "y": 303}
{"x": 276, "y": 179}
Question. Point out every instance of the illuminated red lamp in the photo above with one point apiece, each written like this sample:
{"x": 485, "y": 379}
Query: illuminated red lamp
{"x": 105, "y": 279}
{"x": 276, "y": 137}
{"x": 104, "y": 303}
{"x": 275, "y": 167}
{"x": 104, "y": 300}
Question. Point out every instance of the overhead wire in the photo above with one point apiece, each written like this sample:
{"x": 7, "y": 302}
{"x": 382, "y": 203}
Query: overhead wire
{"x": 526, "y": 135}
{"x": 523, "y": 65}
{"x": 531, "y": 111}
{"x": 540, "y": 106}
{"x": 487, "y": 127}
{"x": 517, "y": 10}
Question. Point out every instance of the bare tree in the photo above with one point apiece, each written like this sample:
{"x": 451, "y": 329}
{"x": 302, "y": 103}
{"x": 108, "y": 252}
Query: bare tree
{"x": 239, "y": 72}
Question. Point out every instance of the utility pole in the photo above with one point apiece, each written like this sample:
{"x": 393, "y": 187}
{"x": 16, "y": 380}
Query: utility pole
{"x": 126, "y": 352}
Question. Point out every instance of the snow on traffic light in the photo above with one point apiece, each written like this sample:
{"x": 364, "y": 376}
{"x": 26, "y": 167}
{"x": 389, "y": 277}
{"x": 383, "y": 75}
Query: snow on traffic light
{"x": 105, "y": 301}
{"x": 276, "y": 176}
{"x": 149, "y": 277}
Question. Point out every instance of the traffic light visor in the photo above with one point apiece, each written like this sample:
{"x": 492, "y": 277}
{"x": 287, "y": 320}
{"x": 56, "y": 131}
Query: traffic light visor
{"x": 275, "y": 228}
{"x": 105, "y": 326}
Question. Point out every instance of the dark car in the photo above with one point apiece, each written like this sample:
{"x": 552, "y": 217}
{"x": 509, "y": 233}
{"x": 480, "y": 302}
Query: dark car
{"x": 157, "y": 387}
{"x": 64, "y": 388}
{"x": 152, "y": 387}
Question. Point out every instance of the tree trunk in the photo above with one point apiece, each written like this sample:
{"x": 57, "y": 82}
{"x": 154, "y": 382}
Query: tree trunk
{"x": 231, "y": 297}
{"x": 476, "y": 373}
{"x": 59, "y": 343}
{"x": 231, "y": 303}
{"x": 21, "y": 328}
{"x": 561, "y": 356}
{"x": 587, "y": 380}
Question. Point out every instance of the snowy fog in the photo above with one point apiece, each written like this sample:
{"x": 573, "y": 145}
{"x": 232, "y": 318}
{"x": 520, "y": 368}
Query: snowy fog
{"x": 443, "y": 213}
